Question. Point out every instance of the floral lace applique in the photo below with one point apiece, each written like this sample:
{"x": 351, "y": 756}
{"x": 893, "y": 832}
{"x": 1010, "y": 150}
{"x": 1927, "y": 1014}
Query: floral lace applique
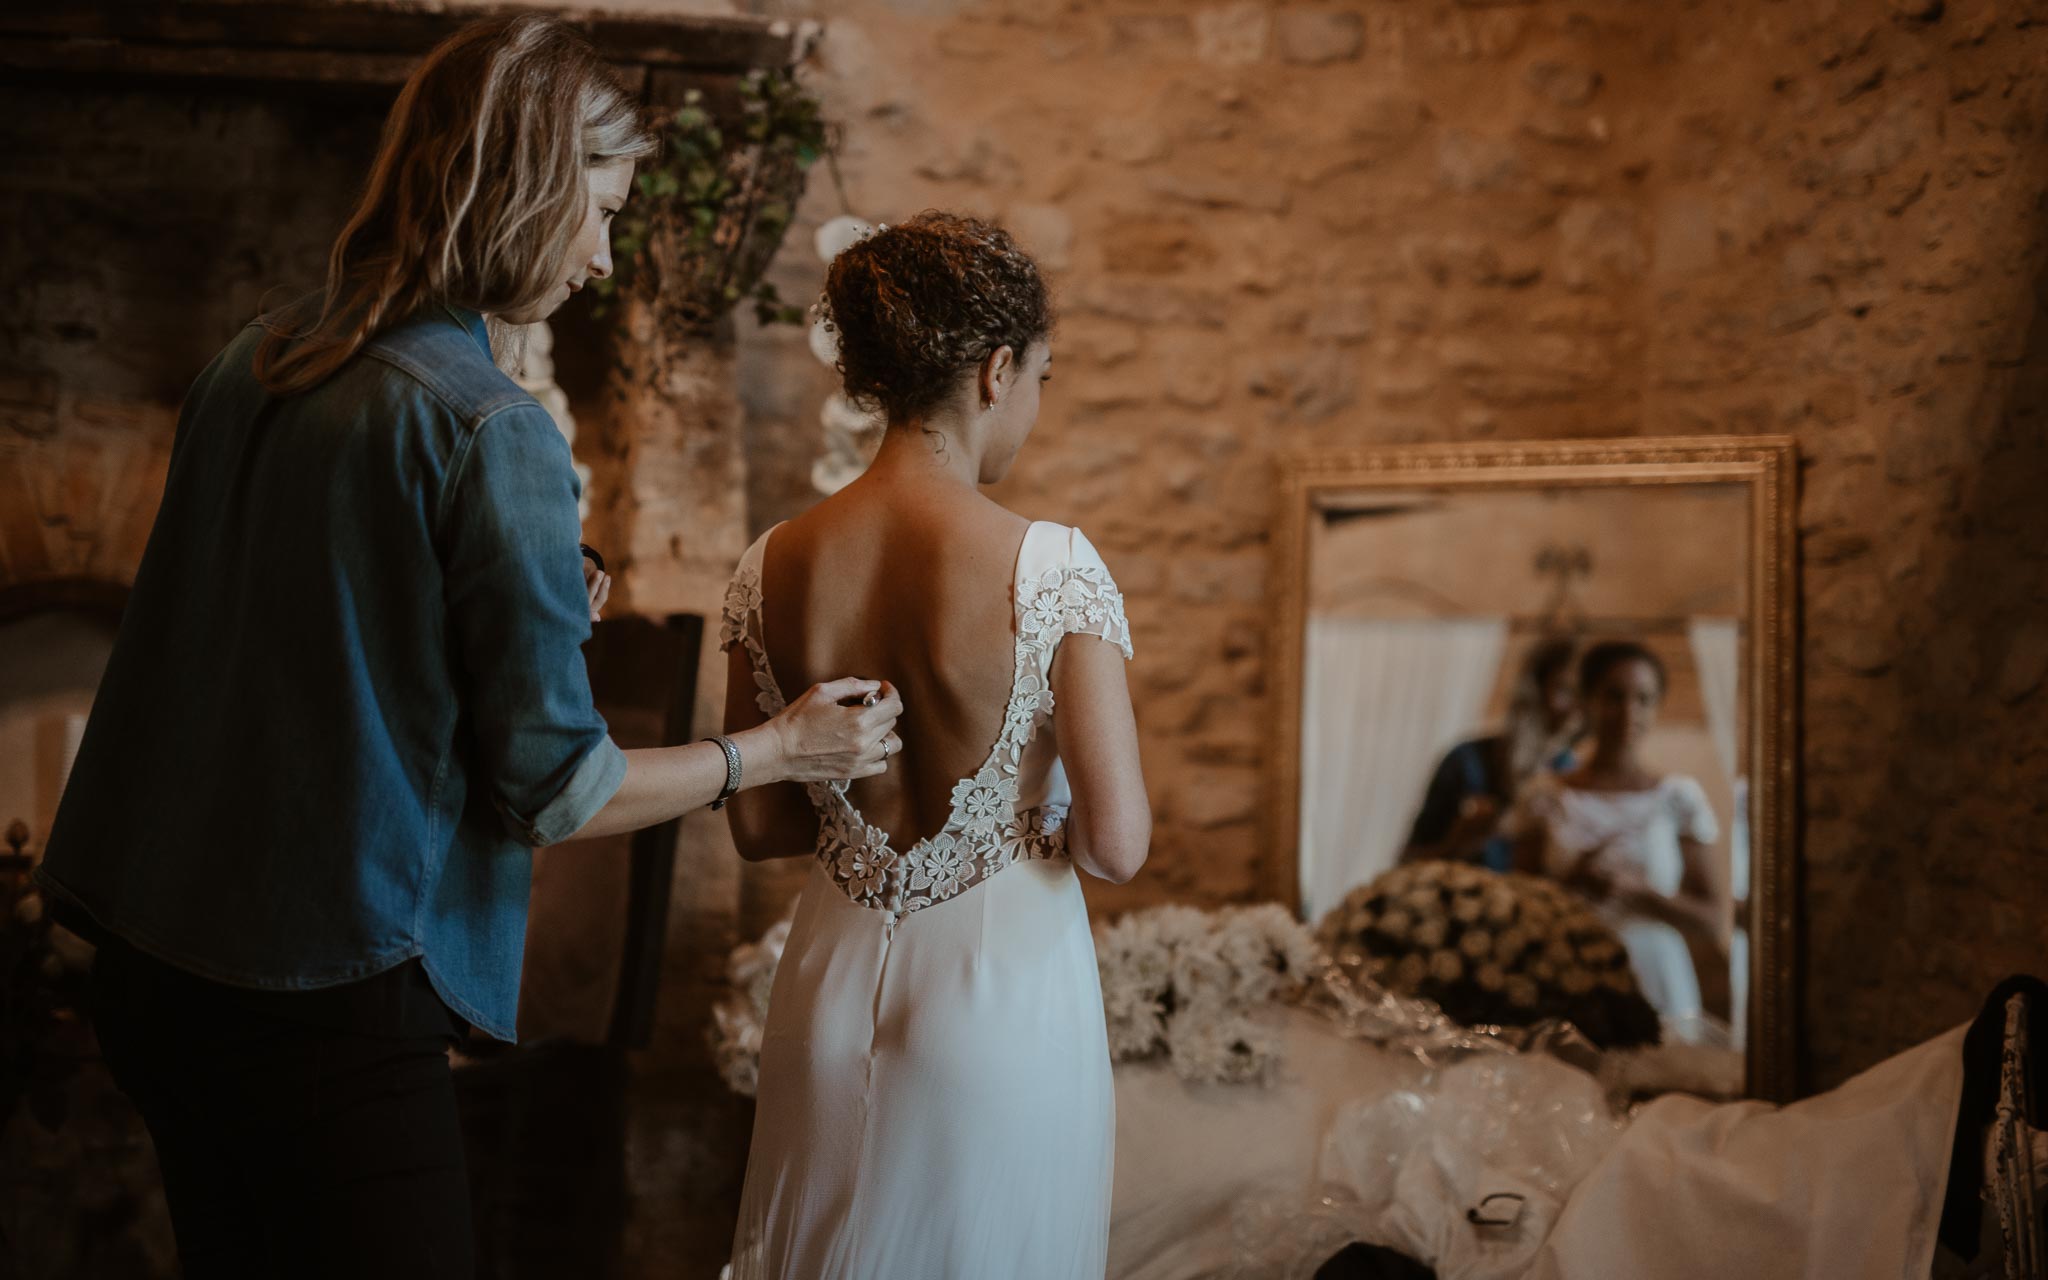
{"x": 984, "y": 832}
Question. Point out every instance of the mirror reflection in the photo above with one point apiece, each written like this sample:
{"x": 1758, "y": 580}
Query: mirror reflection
{"x": 1549, "y": 681}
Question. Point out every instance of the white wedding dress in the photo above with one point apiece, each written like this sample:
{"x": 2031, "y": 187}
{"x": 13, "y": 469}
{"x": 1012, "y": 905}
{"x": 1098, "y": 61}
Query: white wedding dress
{"x": 1639, "y": 831}
{"x": 935, "y": 1096}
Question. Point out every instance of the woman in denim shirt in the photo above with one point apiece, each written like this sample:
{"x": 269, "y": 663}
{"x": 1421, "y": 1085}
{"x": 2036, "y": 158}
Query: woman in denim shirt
{"x": 348, "y": 696}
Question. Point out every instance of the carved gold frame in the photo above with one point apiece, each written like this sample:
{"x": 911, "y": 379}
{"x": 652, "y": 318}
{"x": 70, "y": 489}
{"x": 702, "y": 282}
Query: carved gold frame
{"x": 1768, "y": 467}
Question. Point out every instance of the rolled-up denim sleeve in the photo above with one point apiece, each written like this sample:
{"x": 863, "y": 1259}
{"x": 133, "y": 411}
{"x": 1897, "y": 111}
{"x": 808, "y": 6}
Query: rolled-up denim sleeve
{"x": 519, "y": 615}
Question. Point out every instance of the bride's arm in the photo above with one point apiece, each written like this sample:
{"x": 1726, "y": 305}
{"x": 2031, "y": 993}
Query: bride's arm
{"x": 1109, "y": 829}
{"x": 1695, "y": 909}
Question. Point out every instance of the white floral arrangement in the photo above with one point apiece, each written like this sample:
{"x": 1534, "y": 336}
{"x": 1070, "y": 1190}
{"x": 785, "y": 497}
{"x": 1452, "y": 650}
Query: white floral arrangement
{"x": 1177, "y": 982}
{"x": 1183, "y": 983}
{"x": 1491, "y": 949}
{"x": 738, "y": 1019}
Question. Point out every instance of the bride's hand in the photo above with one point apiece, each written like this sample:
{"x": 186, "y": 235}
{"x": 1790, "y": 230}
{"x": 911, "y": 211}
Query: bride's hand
{"x": 824, "y": 740}
{"x": 1590, "y": 878}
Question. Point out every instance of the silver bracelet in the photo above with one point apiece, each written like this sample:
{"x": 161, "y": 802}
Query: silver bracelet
{"x": 732, "y": 771}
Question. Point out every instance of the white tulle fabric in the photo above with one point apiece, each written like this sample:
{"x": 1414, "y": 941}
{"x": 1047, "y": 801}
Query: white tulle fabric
{"x": 935, "y": 1096}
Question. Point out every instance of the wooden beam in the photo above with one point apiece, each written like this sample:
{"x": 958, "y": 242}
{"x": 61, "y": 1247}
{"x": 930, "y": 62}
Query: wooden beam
{"x": 348, "y": 44}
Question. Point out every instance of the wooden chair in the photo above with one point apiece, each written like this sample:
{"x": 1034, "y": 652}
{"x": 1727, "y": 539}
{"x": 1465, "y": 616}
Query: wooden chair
{"x": 545, "y": 1122}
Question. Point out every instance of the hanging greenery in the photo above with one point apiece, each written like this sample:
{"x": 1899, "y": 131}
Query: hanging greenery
{"x": 711, "y": 210}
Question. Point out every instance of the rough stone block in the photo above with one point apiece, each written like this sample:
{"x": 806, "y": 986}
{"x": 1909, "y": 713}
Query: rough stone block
{"x": 1234, "y": 35}
{"x": 1568, "y": 84}
{"x": 1046, "y": 232}
{"x": 1469, "y": 163}
{"x": 1242, "y": 191}
{"x": 1156, "y": 247}
{"x": 1314, "y": 37}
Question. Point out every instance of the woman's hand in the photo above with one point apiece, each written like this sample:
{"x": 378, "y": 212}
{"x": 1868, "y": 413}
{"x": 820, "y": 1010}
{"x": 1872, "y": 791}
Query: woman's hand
{"x": 598, "y": 585}
{"x": 1478, "y": 818}
{"x": 1602, "y": 878}
{"x": 1588, "y": 879}
{"x": 822, "y": 739}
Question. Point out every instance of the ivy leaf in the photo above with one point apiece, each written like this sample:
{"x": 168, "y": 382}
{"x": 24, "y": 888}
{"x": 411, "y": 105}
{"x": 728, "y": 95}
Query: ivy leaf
{"x": 713, "y": 208}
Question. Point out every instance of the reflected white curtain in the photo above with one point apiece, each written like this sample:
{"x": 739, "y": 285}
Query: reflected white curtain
{"x": 1381, "y": 702}
{"x": 1717, "y": 655}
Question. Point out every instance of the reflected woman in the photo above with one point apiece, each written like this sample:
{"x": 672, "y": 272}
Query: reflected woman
{"x": 1476, "y": 783}
{"x": 1634, "y": 841}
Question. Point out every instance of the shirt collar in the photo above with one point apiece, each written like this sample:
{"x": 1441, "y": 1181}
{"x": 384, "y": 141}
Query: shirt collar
{"x": 472, "y": 323}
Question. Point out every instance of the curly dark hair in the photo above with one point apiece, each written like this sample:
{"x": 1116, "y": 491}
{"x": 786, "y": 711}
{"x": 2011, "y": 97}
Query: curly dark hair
{"x": 916, "y": 305}
{"x": 1605, "y": 657}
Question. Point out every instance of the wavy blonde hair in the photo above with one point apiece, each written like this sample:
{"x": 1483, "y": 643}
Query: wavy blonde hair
{"x": 480, "y": 183}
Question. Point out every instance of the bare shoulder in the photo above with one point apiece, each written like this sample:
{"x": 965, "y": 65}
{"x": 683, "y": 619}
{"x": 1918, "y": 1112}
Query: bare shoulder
{"x": 997, "y": 520}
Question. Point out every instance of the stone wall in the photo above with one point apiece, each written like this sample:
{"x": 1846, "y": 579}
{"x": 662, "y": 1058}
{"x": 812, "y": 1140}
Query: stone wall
{"x": 1285, "y": 226}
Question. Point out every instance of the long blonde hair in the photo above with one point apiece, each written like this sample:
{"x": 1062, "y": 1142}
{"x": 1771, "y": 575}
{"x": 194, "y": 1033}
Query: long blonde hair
{"x": 480, "y": 183}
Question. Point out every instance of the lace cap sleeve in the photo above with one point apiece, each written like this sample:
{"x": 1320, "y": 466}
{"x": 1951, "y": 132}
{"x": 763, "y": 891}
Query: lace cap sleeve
{"x": 1075, "y": 596}
{"x": 1694, "y": 814}
{"x": 742, "y": 599}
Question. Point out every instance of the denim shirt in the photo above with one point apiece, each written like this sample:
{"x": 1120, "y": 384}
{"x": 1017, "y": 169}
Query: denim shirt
{"x": 348, "y": 692}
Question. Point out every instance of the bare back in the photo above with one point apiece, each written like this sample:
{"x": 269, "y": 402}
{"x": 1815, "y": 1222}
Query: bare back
{"x": 914, "y": 588}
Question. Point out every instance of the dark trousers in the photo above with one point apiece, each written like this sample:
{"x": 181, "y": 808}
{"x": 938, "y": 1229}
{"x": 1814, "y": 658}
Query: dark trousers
{"x": 288, "y": 1148}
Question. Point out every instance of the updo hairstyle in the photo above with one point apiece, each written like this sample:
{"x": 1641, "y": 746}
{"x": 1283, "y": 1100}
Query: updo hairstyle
{"x": 916, "y": 306}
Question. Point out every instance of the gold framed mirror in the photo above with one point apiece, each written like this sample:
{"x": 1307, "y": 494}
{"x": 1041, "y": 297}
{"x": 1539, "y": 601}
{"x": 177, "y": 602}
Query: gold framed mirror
{"x": 1439, "y": 608}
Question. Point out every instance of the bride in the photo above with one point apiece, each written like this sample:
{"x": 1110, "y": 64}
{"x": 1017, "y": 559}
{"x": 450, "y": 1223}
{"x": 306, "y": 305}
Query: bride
{"x": 935, "y": 1096}
{"x": 1635, "y": 841}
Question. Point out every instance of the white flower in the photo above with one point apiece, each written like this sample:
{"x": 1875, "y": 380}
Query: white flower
{"x": 1430, "y": 934}
{"x": 1135, "y": 1038}
{"x": 1508, "y": 944}
{"x": 1490, "y": 977}
{"x": 1395, "y": 924}
{"x": 860, "y": 868}
{"x": 1477, "y": 943}
{"x": 1467, "y": 909}
{"x": 1410, "y": 970}
{"x": 1031, "y": 698}
{"x": 941, "y": 867}
{"x": 1213, "y": 1044}
{"x": 1500, "y": 904}
{"x": 985, "y": 797}
{"x": 1041, "y": 615}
